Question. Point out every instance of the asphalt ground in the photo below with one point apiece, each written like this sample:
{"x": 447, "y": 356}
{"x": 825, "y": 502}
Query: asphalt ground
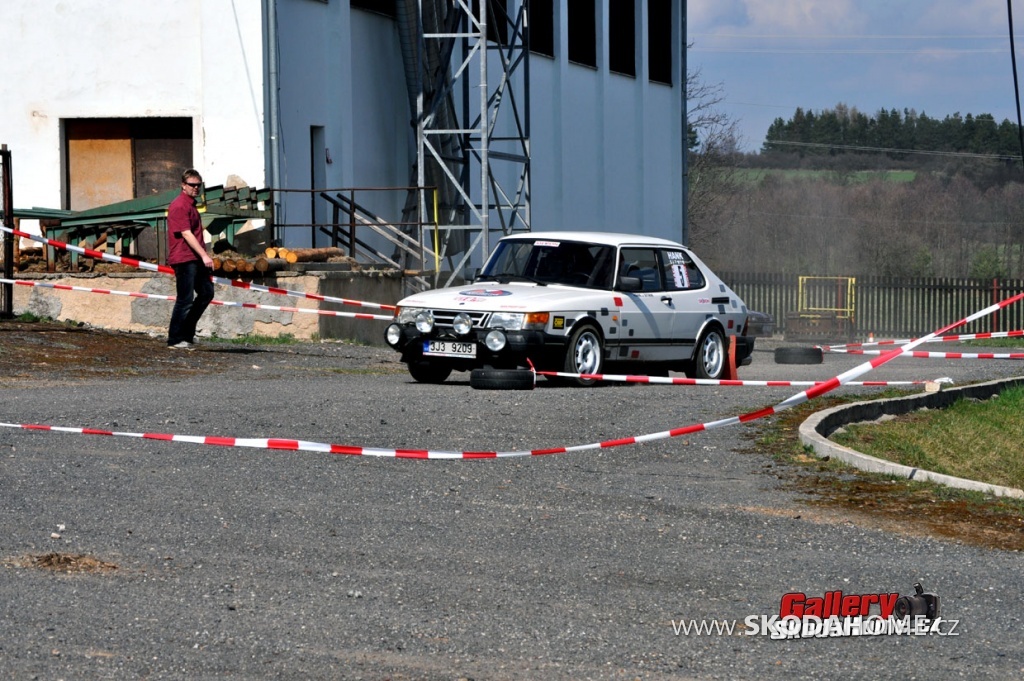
{"x": 185, "y": 561}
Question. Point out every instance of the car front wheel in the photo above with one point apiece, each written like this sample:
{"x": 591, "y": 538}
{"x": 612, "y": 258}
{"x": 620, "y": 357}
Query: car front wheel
{"x": 709, "y": 360}
{"x": 584, "y": 354}
{"x": 425, "y": 372}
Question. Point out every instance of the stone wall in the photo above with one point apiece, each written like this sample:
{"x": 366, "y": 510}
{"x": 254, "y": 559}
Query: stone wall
{"x": 142, "y": 315}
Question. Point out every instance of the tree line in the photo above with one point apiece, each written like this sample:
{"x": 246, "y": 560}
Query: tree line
{"x": 822, "y": 197}
{"x": 845, "y": 130}
{"x": 932, "y": 226}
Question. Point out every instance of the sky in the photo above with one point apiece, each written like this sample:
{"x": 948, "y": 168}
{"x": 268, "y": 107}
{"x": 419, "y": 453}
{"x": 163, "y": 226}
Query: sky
{"x": 938, "y": 57}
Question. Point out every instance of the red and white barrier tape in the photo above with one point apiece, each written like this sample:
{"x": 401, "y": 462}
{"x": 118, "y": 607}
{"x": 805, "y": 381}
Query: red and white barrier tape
{"x": 942, "y": 339}
{"x": 304, "y": 445}
{"x": 83, "y": 289}
{"x": 666, "y": 380}
{"x": 139, "y": 264}
{"x": 947, "y": 355}
{"x": 299, "y": 294}
{"x": 225, "y": 303}
{"x": 89, "y": 253}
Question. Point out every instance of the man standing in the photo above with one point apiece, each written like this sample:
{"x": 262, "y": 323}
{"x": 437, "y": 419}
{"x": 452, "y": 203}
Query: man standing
{"x": 186, "y": 254}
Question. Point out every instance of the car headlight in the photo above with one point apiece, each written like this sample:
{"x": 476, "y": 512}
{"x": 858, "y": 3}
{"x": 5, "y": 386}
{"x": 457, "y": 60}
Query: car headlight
{"x": 425, "y": 321}
{"x": 462, "y": 323}
{"x": 407, "y": 315}
{"x": 518, "y": 321}
{"x": 511, "y": 321}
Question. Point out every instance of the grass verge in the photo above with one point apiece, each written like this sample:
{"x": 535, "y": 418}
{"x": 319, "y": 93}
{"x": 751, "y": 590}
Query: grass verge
{"x": 257, "y": 339}
{"x": 896, "y": 504}
{"x": 970, "y": 439}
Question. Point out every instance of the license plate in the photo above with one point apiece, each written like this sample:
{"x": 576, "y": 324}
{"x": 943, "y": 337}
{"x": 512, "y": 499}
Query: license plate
{"x": 449, "y": 349}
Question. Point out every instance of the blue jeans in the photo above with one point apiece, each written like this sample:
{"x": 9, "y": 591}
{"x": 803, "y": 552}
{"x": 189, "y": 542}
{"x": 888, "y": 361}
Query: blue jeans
{"x": 194, "y": 291}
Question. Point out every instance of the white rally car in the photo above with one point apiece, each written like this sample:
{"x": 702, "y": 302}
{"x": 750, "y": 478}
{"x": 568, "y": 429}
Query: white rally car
{"x": 576, "y": 302}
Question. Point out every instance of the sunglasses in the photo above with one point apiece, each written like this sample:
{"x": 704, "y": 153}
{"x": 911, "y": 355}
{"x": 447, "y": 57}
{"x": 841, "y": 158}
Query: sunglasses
{"x": 194, "y": 184}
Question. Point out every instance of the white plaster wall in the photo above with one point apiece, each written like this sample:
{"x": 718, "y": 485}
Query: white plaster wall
{"x": 231, "y": 105}
{"x": 125, "y": 58}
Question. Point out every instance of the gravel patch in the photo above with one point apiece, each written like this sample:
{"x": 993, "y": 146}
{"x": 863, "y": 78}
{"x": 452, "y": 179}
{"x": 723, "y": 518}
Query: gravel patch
{"x": 245, "y": 563}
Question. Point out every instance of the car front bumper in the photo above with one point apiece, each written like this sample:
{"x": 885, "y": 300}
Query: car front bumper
{"x": 519, "y": 349}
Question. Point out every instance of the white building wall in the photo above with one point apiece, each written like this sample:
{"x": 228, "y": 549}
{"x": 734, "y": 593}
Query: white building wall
{"x": 230, "y": 111}
{"x": 124, "y": 58}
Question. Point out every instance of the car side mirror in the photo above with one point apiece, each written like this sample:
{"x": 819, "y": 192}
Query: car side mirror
{"x": 630, "y": 284}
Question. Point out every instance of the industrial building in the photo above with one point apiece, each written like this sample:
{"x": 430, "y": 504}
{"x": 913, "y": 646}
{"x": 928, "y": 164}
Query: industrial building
{"x": 386, "y": 116}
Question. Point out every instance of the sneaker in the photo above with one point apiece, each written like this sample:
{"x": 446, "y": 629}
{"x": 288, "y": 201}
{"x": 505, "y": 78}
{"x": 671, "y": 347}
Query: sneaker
{"x": 183, "y": 345}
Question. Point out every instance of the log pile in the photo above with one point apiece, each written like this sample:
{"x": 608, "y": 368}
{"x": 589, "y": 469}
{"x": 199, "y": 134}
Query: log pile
{"x": 229, "y": 262}
{"x": 29, "y": 259}
{"x": 276, "y": 259}
{"x": 296, "y": 255}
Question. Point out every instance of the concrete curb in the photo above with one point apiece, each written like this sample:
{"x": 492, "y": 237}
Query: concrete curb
{"x": 815, "y": 430}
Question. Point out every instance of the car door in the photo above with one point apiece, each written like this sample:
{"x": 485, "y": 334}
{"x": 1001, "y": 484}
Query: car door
{"x": 646, "y": 316}
{"x": 686, "y": 292}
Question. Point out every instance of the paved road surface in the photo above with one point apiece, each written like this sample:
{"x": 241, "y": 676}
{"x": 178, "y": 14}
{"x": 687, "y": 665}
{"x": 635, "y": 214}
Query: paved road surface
{"x": 250, "y": 564}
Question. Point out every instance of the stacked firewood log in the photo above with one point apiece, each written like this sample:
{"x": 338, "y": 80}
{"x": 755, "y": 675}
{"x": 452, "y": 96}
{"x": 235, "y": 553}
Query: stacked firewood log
{"x": 274, "y": 259}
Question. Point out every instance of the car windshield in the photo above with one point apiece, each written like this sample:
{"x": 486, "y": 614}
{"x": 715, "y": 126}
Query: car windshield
{"x": 572, "y": 263}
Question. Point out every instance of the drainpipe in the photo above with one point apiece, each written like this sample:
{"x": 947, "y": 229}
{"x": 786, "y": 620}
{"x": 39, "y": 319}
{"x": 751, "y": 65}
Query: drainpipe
{"x": 271, "y": 125}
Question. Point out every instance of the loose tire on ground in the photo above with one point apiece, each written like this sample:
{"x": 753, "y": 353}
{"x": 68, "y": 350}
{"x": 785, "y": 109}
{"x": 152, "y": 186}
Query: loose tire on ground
{"x": 798, "y": 356}
{"x": 501, "y": 379}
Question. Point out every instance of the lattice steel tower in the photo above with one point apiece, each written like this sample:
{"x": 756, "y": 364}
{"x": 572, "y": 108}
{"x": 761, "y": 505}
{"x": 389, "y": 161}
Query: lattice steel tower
{"x": 468, "y": 76}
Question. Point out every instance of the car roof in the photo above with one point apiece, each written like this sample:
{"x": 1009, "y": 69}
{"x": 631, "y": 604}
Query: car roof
{"x": 606, "y": 238}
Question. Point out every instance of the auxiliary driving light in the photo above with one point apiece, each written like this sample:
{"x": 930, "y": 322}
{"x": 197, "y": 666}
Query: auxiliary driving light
{"x": 425, "y": 321}
{"x": 495, "y": 340}
{"x": 393, "y": 335}
{"x": 462, "y": 323}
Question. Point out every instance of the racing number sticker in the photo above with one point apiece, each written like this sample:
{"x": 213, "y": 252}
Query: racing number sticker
{"x": 677, "y": 264}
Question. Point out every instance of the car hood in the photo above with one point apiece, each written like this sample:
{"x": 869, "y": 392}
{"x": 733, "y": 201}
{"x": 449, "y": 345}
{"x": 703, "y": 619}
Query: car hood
{"x": 491, "y": 297}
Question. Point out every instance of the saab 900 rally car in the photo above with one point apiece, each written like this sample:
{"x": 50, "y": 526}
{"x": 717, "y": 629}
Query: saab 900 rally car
{"x": 576, "y": 302}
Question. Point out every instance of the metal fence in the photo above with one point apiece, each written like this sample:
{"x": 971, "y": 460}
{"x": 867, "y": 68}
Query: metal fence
{"x": 893, "y": 307}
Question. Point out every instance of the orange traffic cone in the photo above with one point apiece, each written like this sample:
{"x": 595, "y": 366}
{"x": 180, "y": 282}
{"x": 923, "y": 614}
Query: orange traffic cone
{"x": 729, "y": 372}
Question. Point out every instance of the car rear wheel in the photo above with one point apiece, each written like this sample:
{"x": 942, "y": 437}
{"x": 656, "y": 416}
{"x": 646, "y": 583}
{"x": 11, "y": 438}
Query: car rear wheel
{"x": 584, "y": 354}
{"x": 709, "y": 360}
{"x": 425, "y": 372}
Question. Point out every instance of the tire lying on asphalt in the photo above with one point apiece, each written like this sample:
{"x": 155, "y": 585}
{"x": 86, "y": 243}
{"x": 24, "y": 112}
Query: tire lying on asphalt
{"x": 501, "y": 379}
{"x": 798, "y": 356}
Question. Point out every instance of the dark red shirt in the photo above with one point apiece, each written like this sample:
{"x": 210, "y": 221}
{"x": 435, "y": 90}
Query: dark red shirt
{"x": 182, "y": 216}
